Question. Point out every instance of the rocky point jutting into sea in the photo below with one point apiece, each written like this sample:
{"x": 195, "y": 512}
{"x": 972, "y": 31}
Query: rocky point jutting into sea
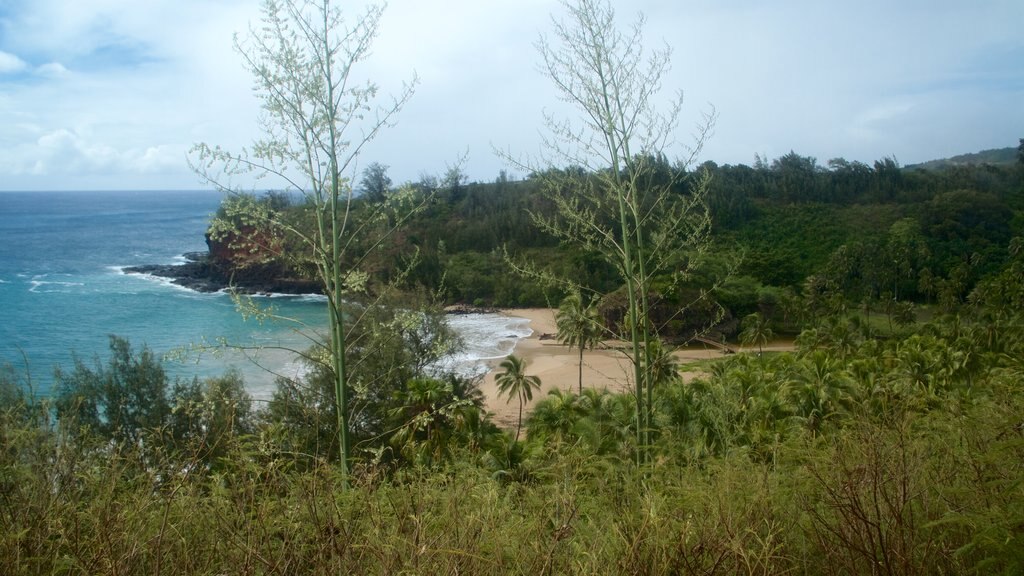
{"x": 218, "y": 269}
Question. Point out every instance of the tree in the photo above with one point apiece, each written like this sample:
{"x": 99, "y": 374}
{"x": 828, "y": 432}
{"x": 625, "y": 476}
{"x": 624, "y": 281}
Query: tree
{"x": 796, "y": 177}
{"x": 375, "y": 183}
{"x": 436, "y": 416}
{"x": 122, "y": 401}
{"x": 390, "y": 346}
{"x": 615, "y": 202}
{"x": 514, "y": 382}
{"x": 756, "y": 330}
{"x": 579, "y": 326}
{"x": 905, "y": 247}
{"x": 206, "y": 415}
{"x": 454, "y": 182}
{"x": 316, "y": 120}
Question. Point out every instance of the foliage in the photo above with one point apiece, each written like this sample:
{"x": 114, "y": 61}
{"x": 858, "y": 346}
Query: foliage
{"x": 621, "y": 199}
{"x": 926, "y": 490}
{"x": 316, "y": 120}
{"x": 853, "y": 455}
{"x": 579, "y": 326}
{"x": 376, "y": 184}
{"x": 756, "y": 329}
{"x": 459, "y": 243}
{"x": 438, "y": 417}
{"x": 862, "y": 452}
{"x": 207, "y": 416}
{"x": 121, "y": 401}
{"x": 392, "y": 347}
{"x": 513, "y": 382}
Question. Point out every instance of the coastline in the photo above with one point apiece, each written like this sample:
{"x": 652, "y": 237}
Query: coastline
{"x": 558, "y": 366}
{"x": 555, "y": 364}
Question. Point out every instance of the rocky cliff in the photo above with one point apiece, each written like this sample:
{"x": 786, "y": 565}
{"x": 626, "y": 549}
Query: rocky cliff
{"x": 232, "y": 263}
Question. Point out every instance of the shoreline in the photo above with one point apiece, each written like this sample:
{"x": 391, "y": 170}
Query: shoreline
{"x": 197, "y": 271}
{"x": 555, "y": 364}
{"x": 558, "y": 366}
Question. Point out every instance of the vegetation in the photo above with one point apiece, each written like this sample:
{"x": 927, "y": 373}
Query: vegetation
{"x": 617, "y": 202}
{"x": 514, "y": 382}
{"x": 854, "y": 454}
{"x": 316, "y": 121}
{"x": 579, "y": 326}
{"x": 890, "y": 440}
{"x": 849, "y": 232}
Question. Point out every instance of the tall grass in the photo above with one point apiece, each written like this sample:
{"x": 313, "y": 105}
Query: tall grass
{"x": 926, "y": 495}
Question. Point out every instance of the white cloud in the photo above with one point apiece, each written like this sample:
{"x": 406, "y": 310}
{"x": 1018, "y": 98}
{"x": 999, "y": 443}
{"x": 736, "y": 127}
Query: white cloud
{"x": 52, "y": 70}
{"x": 128, "y": 86}
{"x": 9, "y": 63}
{"x": 67, "y": 154}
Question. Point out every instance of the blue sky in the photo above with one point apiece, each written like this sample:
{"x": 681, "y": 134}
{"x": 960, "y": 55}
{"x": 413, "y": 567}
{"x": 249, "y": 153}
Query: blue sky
{"x": 110, "y": 94}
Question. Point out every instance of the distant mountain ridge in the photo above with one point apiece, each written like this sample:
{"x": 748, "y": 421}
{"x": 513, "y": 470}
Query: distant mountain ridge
{"x": 996, "y": 156}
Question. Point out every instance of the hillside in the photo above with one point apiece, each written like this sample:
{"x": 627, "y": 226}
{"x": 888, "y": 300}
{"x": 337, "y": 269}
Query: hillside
{"x": 994, "y": 156}
{"x": 868, "y": 233}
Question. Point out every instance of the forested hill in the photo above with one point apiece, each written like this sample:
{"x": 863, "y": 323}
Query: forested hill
{"x": 851, "y": 231}
{"x": 997, "y": 156}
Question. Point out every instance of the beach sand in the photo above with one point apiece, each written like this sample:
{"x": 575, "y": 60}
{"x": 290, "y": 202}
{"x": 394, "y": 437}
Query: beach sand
{"x": 558, "y": 366}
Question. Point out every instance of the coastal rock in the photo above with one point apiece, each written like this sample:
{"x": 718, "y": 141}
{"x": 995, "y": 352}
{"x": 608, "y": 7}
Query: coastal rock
{"x": 462, "y": 309}
{"x": 202, "y": 273}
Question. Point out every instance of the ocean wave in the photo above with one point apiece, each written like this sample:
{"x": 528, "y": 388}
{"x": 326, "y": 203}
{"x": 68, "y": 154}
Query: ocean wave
{"x": 169, "y": 283}
{"x": 486, "y": 338}
{"x": 294, "y": 297}
{"x": 37, "y": 284}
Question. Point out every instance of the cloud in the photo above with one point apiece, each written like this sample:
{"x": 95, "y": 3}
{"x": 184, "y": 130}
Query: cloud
{"x": 52, "y": 70}
{"x": 120, "y": 89}
{"x": 870, "y": 124}
{"x": 9, "y": 63}
{"x": 66, "y": 153}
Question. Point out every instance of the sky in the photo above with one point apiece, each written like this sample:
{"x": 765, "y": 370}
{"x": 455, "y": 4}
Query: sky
{"x": 112, "y": 94}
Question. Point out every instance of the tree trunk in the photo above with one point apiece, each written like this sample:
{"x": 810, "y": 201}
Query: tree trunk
{"x": 581, "y": 372}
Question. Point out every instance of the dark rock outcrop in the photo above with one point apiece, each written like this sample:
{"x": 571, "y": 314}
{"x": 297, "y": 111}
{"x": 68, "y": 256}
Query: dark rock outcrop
{"x": 204, "y": 273}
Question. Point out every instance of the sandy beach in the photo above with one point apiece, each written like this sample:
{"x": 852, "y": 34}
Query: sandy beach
{"x": 558, "y": 366}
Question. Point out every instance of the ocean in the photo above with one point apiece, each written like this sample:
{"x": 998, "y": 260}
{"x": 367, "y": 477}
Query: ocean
{"x": 63, "y": 292}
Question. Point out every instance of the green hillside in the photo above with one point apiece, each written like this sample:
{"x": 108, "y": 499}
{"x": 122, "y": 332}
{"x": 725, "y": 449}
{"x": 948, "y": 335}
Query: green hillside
{"x": 994, "y": 156}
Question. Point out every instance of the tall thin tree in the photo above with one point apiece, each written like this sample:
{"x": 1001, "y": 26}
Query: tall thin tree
{"x": 579, "y": 326}
{"x": 620, "y": 204}
{"x": 514, "y": 381}
{"x": 316, "y": 120}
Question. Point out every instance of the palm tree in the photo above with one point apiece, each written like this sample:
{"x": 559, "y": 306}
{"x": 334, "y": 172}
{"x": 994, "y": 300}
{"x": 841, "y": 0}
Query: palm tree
{"x": 756, "y": 329}
{"x": 514, "y": 382}
{"x": 422, "y": 436}
{"x": 663, "y": 368}
{"x": 555, "y": 417}
{"x": 823, "y": 389}
{"x": 578, "y": 326}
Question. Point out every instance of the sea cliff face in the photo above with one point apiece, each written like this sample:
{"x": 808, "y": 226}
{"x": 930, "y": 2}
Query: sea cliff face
{"x": 230, "y": 264}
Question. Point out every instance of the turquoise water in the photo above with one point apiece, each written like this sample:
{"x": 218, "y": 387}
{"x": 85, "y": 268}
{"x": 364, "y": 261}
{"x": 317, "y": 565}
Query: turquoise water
{"x": 62, "y": 291}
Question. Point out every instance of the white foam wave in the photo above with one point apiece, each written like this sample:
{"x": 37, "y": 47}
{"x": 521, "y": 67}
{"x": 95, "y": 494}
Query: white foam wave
{"x": 169, "y": 283}
{"x": 486, "y": 337}
{"x": 37, "y": 285}
{"x": 295, "y": 297}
